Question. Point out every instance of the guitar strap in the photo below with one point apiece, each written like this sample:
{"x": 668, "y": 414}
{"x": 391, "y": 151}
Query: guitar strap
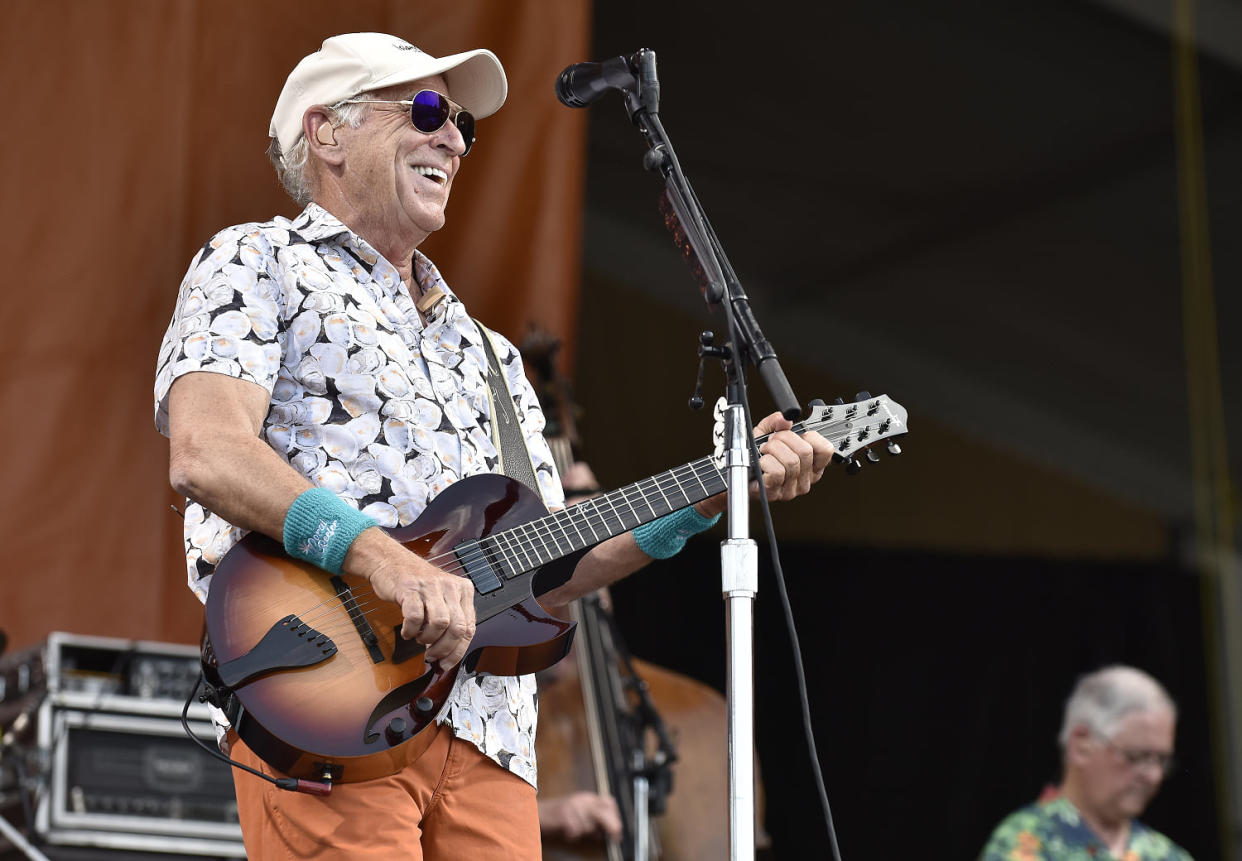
{"x": 507, "y": 433}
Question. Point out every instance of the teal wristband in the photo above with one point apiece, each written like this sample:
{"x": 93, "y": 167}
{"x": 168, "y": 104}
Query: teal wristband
{"x": 665, "y": 537}
{"x": 320, "y": 527}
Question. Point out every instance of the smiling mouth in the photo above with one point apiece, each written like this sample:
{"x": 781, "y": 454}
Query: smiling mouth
{"x": 436, "y": 175}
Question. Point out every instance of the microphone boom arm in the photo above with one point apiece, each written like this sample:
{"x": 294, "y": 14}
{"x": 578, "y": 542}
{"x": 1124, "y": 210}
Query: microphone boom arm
{"x": 722, "y": 280}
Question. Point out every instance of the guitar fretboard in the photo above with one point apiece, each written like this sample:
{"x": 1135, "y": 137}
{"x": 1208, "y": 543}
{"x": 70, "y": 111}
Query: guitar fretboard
{"x": 538, "y": 542}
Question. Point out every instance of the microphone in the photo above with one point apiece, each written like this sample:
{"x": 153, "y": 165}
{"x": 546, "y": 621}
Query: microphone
{"x": 582, "y": 83}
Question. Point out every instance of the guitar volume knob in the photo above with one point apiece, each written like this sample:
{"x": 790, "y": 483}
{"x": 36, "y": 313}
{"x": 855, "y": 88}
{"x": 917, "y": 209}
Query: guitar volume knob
{"x": 395, "y": 731}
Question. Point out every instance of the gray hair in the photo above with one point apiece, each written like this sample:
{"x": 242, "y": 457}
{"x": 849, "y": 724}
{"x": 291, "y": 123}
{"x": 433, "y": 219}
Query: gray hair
{"x": 1101, "y": 699}
{"x": 291, "y": 167}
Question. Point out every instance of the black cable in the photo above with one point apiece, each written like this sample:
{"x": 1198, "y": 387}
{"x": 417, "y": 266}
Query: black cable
{"x": 799, "y": 669}
{"x": 292, "y": 784}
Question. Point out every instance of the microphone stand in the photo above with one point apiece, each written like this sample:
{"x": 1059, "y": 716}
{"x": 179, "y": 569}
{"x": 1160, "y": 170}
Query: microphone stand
{"x": 738, "y": 553}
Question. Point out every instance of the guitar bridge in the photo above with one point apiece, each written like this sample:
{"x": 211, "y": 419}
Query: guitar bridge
{"x": 288, "y": 645}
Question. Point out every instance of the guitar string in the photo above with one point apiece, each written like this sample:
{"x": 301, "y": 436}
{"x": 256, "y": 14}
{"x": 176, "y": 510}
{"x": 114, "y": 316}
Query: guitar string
{"x": 545, "y": 527}
{"x": 627, "y": 496}
{"x": 544, "y": 530}
{"x": 576, "y": 517}
{"x": 673, "y": 481}
{"x": 360, "y": 600}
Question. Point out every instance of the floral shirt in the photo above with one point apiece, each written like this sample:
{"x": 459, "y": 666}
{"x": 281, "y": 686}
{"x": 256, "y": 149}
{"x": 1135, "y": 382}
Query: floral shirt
{"x": 1054, "y": 831}
{"x": 365, "y": 401}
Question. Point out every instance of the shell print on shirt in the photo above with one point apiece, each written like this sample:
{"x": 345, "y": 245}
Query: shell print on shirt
{"x": 365, "y": 401}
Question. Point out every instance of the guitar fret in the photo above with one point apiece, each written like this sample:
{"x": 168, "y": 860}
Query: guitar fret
{"x": 699, "y": 479}
{"x": 547, "y": 530}
{"x": 544, "y": 534}
{"x": 638, "y": 518}
{"x": 609, "y": 498}
{"x": 586, "y": 518}
{"x": 639, "y": 487}
{"x": 526, "y": 532}
{"x": 685, "y": 497}
{"x": 656, "y": 481}
{"x": 559, "y": 522}
{"x": 604, "y": 522}
{"x": 516, "y": 548}
{"x": 568, "y": 516}
{"x": 509, "y": 540}
{"x": 528, "y": 549}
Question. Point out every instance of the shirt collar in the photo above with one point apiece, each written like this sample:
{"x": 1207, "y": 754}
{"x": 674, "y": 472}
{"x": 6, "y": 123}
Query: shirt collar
{"x": 316, "y": 224}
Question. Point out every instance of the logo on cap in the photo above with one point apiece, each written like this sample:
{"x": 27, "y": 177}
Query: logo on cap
{"x": 406, "y": 46}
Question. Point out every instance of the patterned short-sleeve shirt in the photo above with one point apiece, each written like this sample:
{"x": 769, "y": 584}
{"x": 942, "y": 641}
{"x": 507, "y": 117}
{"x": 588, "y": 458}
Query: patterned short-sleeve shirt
{"x": 366, "y": 401}
{"x": 1054, "y": 830}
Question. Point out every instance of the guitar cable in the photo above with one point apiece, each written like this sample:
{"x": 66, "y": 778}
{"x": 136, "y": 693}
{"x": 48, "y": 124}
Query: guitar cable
{"x": 293, "y": 784}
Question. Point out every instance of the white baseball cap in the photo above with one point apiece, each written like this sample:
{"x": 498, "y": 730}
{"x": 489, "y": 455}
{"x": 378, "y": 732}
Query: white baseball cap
{"x": 357, "y": 62}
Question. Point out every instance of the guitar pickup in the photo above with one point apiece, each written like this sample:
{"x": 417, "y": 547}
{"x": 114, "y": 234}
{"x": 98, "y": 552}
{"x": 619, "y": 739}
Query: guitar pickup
{"x": 479, "y": 568}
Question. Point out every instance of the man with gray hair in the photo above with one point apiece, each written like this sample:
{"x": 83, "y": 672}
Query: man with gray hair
{"x": 319, "y": 380}
{"x": 1117, "y": 748}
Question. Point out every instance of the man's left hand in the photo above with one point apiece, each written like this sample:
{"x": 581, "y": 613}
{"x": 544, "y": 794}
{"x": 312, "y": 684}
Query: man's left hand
{"x": 790, "y": 463}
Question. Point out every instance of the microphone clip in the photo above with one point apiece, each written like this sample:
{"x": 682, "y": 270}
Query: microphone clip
{"x": 643, "y": 65}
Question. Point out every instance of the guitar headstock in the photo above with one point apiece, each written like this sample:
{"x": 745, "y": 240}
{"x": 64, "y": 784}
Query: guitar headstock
{"x": 853, "y": 428}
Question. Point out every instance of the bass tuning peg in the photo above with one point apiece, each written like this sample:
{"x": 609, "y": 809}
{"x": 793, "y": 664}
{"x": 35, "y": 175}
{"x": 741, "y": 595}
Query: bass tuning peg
{"x": 853, "y": 466}
{"x": 872, "y": 456}
{"x": 893, "y": 448}
{"x": 862, "y": 396}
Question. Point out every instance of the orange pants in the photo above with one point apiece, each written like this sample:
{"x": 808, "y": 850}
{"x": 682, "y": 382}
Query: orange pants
{"x": 451, "y": 803}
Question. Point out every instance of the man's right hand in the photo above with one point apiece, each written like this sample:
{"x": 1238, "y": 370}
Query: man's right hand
{"x": 218, "y": 459}
{"x": 438, "y": 607}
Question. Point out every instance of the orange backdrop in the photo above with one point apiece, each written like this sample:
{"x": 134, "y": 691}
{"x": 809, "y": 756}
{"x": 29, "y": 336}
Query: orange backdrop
{"x": 135, "y": 130}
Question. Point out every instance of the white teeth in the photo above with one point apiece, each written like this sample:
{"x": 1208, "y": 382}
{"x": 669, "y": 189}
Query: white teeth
{"x": 433, "y": 172}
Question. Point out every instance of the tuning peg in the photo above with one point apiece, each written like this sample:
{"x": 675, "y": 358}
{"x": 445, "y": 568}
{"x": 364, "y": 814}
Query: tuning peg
{"x": 862, "y": 396}
{"x": 838, "y": 401}
{"x": 872, "y": 456}
{"x": 816, "y": 402}
{"x": 852, "y": 466}
{"x": 893, "y": 448}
